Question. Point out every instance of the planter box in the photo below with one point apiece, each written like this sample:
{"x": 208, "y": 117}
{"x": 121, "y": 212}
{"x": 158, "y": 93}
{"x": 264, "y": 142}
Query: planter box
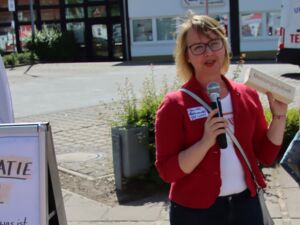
{"x": 131, "y": 154}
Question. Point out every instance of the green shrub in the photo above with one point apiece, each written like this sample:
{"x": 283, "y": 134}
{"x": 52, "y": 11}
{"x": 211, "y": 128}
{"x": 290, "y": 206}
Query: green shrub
{"x": 130, "y": 111}
{"x": 10, "y": 60}
{"x": 25, "y": 58}
{"x": 52, "y": 45}
{"x": 22, "y": 58}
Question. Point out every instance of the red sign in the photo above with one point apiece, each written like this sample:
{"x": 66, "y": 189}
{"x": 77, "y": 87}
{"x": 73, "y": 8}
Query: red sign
{"x": 295, "y": 38}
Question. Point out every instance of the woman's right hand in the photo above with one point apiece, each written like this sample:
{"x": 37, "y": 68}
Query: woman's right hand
{"x": 193, "y": 155}
{"x": 213, "y": 127}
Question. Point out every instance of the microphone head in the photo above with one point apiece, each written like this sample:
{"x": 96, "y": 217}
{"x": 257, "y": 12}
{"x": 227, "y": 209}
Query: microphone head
{"x": 213, "y": 90}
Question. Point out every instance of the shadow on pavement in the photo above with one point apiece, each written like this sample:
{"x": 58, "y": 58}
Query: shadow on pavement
{"x": 144, "y": 63}
{"x": 137, "y": 192}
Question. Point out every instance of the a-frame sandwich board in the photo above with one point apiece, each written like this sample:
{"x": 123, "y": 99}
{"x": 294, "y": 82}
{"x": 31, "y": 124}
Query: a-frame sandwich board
{"x": 30, "y": 191}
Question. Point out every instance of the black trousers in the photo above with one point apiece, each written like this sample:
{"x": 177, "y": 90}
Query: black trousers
{"x": 237, "y": 209}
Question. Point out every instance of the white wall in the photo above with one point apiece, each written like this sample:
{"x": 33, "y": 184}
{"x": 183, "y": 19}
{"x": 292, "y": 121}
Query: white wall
{"x": 259, "y": 44}
{"x": 152, "y": 9}
{"x": 152, "y": 49}
{"x": 259, "y": 5}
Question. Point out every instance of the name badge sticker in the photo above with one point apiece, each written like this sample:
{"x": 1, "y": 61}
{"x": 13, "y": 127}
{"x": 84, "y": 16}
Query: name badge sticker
{"x": 197, "y": 113}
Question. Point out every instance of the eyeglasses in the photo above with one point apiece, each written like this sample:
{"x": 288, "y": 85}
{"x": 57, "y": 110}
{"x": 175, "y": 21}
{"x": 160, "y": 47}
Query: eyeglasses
{"x": 200, "y": 48}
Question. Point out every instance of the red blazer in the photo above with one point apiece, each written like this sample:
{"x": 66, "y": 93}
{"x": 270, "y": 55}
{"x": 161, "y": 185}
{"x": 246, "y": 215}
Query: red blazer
{"x": 176, "y": 132}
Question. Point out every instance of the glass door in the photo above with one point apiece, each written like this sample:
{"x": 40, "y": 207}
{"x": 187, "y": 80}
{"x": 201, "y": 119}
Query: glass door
{"x": 99, "y": 41}
{"x": 117, "y": 41}
{"x": 105, "y": 42}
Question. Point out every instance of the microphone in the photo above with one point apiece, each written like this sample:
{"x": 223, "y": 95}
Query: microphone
{"x": 213, "y": 90}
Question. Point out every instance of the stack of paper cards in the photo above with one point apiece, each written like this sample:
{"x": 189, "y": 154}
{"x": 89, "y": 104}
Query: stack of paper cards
{"x": 265, "y": 83}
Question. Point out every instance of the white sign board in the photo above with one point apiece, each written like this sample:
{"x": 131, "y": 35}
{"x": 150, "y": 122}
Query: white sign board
{"x": 23, "y": 175}
{"x": 6, "y": 109}
{"x": 11, "y": 5}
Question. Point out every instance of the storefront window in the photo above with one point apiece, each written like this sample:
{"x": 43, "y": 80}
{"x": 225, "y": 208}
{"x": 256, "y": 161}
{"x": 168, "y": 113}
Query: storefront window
{"x": 49, "y": 2}
{"x": 142, "y": 30}
{"x": 6, "y": 17}
{"x": 273, "y": 23}
{"x": 95, "y": 0}
{"x": 252, "y": 24}
{"x": 117, "y": 45}
{"x": 100, "y": 40}
{"x": 22, "y": 2}
{"x": 3, "y": 4}
{"x": 96, "y": 11}
{"x": 70, "y": 2}
{"x": 24, "y": 15}
{"x": 74, "y": 13}
{"x": 115, "y": 10}
{"x": 223, "y": 20}
{"x": 50, "y": 14}
{"x": 55, "y": 26}
{"x": 24, "y": 33}
{"x": 166, "y": 29}
{"x": 78, "y": 30}
{"x": 7, "y": 39}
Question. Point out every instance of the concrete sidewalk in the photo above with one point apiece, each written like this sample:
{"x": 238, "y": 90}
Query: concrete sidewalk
{"x": 83, "y": 211}
{"x": 283, "y": 200}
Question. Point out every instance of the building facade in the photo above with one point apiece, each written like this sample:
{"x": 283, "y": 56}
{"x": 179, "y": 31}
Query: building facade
{"x": 98, "y": 25}
{"x": 153, "y": 24}
{"x": 107, "y": 30}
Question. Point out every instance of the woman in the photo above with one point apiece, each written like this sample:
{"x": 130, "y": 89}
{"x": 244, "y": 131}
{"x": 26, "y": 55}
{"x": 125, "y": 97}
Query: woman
{"x": 210, "y": 185}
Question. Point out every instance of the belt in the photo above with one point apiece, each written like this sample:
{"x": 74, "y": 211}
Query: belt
{"x": 236, "y": 197}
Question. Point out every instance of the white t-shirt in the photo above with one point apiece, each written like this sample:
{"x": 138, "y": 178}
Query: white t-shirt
{"x": 232, "y": 173}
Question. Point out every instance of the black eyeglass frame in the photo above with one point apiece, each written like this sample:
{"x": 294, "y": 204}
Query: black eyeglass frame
{"x": 205, "y": 46}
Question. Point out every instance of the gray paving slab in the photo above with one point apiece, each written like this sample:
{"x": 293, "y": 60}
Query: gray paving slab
{"x": 83, "y": 131}
{"x": 295, "y": 221}
{"x": 285, "y": 180}
{"x": 81, "y": 209}
{"x": 144, "y": 213}
{"x": 293, "y": 202}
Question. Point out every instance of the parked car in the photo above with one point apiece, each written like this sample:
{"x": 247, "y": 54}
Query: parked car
{"x": 289, "y": 41}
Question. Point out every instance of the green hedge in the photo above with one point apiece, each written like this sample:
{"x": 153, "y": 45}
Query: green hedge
{"x": 14, "y": 59}
{"x": 52, "y": 45}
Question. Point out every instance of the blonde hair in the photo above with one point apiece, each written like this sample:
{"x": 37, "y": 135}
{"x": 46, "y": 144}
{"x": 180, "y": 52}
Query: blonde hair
{"x": 203, "y": 24}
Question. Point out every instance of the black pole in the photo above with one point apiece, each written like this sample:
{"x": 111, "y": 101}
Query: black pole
{"x": 235, "y": 27}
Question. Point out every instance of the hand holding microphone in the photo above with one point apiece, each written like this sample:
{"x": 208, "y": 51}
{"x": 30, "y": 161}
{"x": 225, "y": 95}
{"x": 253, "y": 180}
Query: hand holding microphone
{"x": 213, "y": 90}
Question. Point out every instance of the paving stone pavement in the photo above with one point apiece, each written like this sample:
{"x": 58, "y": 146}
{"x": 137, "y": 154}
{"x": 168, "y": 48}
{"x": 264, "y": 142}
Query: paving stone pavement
{"x": 83, "y": 136}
